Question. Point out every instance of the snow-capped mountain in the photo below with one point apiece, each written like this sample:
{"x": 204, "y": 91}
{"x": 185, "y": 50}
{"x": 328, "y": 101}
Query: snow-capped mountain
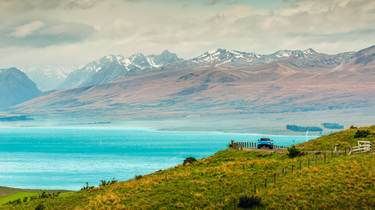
{"x": 300, "y": 58}
{"x": 222, "y": 56}
{"x": 294, "y": 53}
{"x": 296, "y": 82}
{"x": 113, "y": 67}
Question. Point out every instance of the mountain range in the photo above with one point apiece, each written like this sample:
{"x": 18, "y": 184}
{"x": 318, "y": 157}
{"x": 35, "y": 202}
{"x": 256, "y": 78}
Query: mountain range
{"x": 222, "y": 82}
{"x": 112, "y": 68}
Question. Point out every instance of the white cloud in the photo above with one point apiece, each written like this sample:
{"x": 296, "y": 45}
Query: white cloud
{"x": 27, "y": 29}
{"x": 188, "y": 28}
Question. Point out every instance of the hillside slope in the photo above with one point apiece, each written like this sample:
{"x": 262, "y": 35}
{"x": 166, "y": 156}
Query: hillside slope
{"x": 217, "y": 182}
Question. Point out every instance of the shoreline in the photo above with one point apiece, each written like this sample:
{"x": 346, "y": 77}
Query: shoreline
{"x": 150, "y": 129}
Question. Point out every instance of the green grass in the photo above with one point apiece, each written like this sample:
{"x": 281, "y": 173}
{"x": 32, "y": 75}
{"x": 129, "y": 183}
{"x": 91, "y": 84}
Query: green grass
{"x": 8, "y": 194}
{"x": 217, "y": 182}
{"x": 15, "y": 196}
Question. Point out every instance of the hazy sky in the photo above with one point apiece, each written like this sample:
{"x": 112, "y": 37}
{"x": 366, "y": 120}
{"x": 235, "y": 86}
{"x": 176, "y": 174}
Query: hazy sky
{"x": 55, "y": 33}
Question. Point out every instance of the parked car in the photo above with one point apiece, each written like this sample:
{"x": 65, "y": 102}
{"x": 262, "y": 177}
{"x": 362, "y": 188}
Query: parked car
{"x": 265, "y": 143}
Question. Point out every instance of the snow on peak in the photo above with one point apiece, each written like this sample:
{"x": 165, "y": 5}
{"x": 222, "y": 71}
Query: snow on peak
{"x": 309, "y": 51}
{"x": 136, "y": 61}
{"x": 221, "y": 56}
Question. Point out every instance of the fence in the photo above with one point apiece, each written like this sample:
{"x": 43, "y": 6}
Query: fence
{"x": 248, "y": 145}
{"x": 363, "y": 146}
{"x": 271, "y": 180}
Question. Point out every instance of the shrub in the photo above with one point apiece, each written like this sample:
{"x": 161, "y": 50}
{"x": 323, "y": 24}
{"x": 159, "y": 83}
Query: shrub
{"x": 251, "y": 201}
{"x": 40, "y": 207}
{"x": 44, "y": 195}
{"x": 87, "y": 187}
{"x": 189, "y": 160}
{"x": 293, "y": 152}
{"x": 137, "y": 177}
{"x": 109, "y": 182}
{"x": 361, "y": 133}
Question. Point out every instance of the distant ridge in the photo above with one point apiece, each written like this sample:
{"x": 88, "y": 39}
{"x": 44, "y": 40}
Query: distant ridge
{"x": 218, "y": 82}
{"x": 15, "y": 87}
{"x": 114, "y": 67}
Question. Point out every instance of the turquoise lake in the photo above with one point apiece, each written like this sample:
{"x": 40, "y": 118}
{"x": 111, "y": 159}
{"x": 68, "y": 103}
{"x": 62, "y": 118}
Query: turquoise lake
{"x": 66, "y": 158}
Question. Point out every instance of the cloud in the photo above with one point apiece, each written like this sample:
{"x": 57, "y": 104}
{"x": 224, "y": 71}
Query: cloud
{"x": 39, "y": 33}
{"x": 22, "y": 5}
{"x": 27, "y": 29}
{"x": 82, "y": 30}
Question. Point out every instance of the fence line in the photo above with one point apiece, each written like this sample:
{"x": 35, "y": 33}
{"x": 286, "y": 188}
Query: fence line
{"x": 272, "y": 180}
{"x": 249, "y": 145}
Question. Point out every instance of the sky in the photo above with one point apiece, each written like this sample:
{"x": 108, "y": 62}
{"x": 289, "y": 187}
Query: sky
{"x": 66, "y": 34}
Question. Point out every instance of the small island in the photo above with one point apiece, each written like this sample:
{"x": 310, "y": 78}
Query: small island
{"x": 14, "y": 118}
{"x": 335, "y": 126}
{"x": 297, "y": 128}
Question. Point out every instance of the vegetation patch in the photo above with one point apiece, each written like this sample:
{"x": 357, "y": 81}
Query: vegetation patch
{"x": 249, "y": 201}
{"x": 189, "y": 160}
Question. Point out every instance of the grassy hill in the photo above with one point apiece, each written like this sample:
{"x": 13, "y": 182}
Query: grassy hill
{"x": 264, "y": 179}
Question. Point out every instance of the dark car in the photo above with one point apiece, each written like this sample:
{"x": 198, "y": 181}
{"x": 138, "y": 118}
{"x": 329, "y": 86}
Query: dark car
{"x": 265, "y": 143}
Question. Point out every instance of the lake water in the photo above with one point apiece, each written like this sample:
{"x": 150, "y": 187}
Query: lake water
{"x": 66, "y": 158}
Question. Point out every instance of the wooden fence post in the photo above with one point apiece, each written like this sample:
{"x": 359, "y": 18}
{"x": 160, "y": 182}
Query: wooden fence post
{"x": 265, "y": 183}
{"x": 274, "y": 178}
{"x": 300, "y": 165}
{"x": 316, "y": 160}
{"x": 308, "y": 163}
{"x": 292, "y": 168}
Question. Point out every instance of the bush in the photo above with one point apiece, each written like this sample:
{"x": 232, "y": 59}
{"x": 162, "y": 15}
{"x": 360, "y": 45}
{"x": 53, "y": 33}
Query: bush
{"x": 137, "y": 177}
{"x": 361, "y": 134}
{"x": 40, "y": 207}
{"x": 189, "y": 160}
{"x": 44, "y": 195}
{"x": 247, "y": 201}
{"x": 109, "y": 182}
{"x": 293, "y": 152}
{"x": 87, "y": 187}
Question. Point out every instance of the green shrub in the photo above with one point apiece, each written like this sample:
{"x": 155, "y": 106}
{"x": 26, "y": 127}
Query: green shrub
{"x": 109, "y": 182}
{"x": 248, "y": 202}
{"x": 361, "y": 134}
{"x": 87, "y": 187}
{"x": 40, "y": 207}
{"x": 138, "y": 177}
{"x": 44, "y": 195}
{"x": 189, "y": 160}
{"x": 293, "y": 152}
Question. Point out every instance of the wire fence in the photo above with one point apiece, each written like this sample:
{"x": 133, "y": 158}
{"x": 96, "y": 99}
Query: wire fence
{"x": 249, "y": 145}
{"x": 309, "y": 159}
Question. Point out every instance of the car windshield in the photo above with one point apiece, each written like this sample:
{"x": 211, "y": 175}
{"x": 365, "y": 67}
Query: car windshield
{"x": 264, "y": 139}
